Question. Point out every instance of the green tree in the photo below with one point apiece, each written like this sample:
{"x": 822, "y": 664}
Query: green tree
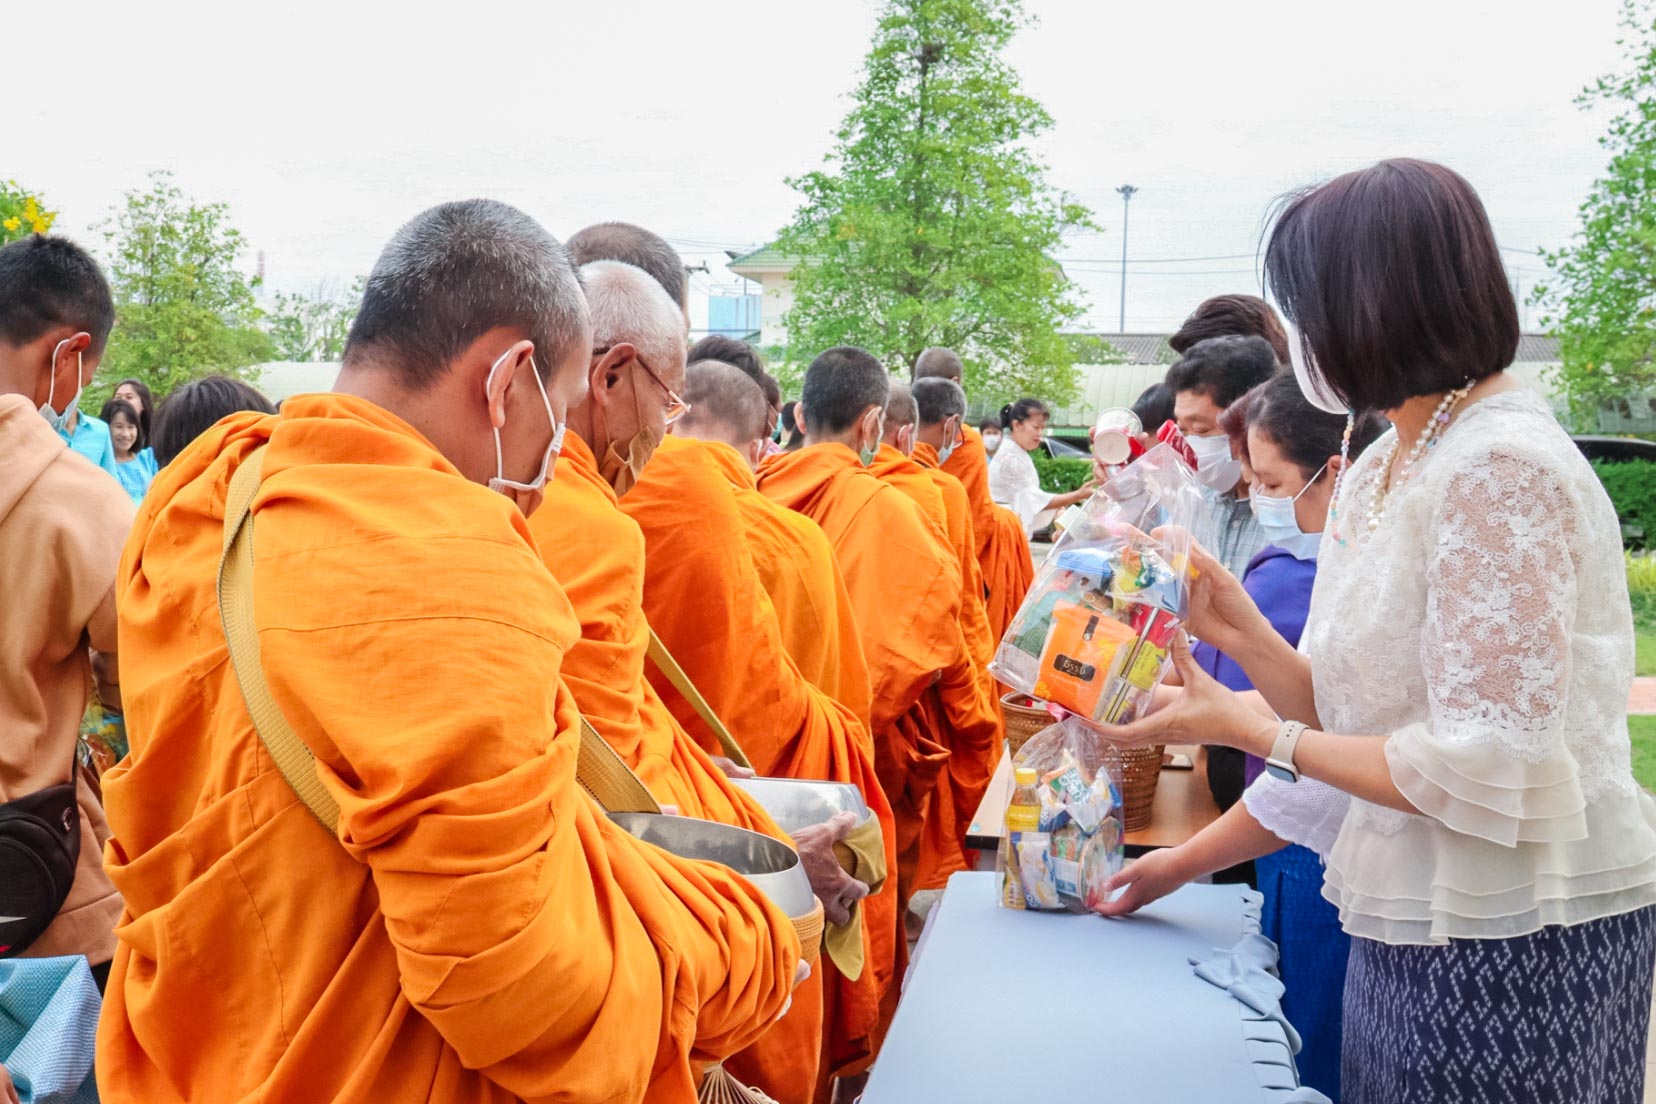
{"x": 934, "y": 224}
{"x": 312, "y": 327}
{"x": 183, "y": 309}
{"x": 1603, "y": 290}
{"x": 22, "y": 213}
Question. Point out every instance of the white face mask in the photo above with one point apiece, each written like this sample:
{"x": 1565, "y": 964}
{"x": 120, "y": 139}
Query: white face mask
{"x": 1280, "y": 524}
{"x": 57, "y": 421}
{"x": 1311, "y": 384}
{"x": 1214, "y": 464}
{"x": 511, "y": 488}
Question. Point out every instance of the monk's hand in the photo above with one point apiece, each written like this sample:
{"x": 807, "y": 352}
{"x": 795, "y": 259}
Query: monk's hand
{"x": 8, "y": 1091}
{"x": 1203, "y": 712}
{"x": 730, "y": 768}
{"x": 837, "y": 890}
{"x": 1145, "y": 879}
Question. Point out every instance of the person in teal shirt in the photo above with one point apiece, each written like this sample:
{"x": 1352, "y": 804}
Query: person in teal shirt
{"x": 134, "y": 460}
{"x": 89, "y": 436}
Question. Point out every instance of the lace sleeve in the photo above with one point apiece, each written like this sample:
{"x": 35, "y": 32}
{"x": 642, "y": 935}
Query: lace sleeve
{"x": 1501, "y": 593}
{"x": 1306, "y": 812}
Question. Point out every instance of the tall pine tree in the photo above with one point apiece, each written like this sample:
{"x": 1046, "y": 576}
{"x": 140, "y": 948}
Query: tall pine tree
{"x": 934, "y": 224}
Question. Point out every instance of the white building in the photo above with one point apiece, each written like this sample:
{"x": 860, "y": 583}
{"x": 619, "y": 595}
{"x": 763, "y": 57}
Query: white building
{"x": 772, "y": 270}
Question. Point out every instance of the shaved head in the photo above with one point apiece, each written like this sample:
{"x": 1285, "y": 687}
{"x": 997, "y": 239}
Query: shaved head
{"x": 840, "y": 387}
{"x": 725, "y": 405}
{"x": 936, "y": 399}
{"x": 938, "y": 362}
{"x": 900, "y": 417}
{"x": 636, "y": 246}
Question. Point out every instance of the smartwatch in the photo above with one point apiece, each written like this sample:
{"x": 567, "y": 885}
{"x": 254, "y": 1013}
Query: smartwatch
{"x": 1280, "y": 763}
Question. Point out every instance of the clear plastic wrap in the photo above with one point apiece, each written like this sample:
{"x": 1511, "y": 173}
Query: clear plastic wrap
{"x": 1075, "y": 847}
{"x": 1093, "y": 633}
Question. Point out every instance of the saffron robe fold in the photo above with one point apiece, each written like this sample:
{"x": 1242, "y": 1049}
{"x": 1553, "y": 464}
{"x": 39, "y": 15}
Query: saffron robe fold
{"x": 1003, "y": 549}
{"x": 596, "y": 554}
{"x": 704, "y": 598}
{"x": 478, "y": 930}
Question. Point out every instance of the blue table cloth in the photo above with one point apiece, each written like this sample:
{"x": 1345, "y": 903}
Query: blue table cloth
{"x": 1179, "y": 1003}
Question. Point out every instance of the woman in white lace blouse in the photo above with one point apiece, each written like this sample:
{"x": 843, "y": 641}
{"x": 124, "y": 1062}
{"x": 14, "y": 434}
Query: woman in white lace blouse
{"x": 1454, "y": 739}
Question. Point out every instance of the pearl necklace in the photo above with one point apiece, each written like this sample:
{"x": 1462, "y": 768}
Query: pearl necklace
{"x": 1430, "y": 433}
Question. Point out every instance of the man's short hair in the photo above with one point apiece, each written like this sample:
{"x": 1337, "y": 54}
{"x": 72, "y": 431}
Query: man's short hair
{"x": 840, "y": 385}
{"x": 634, "y": 245}
{"x": 940, "y": 362}
{"x": 1154, "y": 406}
{"x": 47, "y": 283}
{"x": 899, "y": 408}
{"x": 453, "y": 273}
{"x": 1392, "y": 276}
{"x": 730, "y": 351}
{"x": 192, "y": 409}
{"x": 936, "y": 400}
{"x": 1233, "y": 315}
{"x": 1223, "y": 368}
{"x": 772, "y": 390}
{"x": 723, "y": 395}
{"x": 628, "y": 305}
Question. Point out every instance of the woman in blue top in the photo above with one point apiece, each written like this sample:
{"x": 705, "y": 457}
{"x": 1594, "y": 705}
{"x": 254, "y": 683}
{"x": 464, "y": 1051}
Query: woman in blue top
{"x": 1290, "y": 452}
{"x": 134, "y": 462}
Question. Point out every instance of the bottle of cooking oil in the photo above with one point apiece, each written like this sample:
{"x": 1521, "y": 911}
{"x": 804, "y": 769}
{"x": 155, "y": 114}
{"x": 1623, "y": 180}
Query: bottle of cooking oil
{"x": 1023, "y": 814}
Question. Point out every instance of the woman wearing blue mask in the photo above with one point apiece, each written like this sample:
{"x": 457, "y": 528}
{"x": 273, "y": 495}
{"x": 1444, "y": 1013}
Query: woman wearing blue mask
{"x": 1290, "y": 453}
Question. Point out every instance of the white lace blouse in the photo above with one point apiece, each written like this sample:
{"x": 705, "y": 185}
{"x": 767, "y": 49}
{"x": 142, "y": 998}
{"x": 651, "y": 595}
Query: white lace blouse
{"x": 1015, "y": 484}
{"x": 1485, "y": 628}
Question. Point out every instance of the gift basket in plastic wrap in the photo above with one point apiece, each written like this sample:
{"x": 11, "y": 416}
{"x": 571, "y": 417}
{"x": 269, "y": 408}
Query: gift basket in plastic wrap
{"x": 1091, "y": 643}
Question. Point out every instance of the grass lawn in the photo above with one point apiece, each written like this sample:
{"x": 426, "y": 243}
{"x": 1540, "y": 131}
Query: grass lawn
{"x": 1643, "y": 731}
{"x": 1644, "y": 649}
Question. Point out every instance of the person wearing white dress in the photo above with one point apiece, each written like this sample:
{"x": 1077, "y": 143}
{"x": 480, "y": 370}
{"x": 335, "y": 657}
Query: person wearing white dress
{"x": 1013, "y": 480}
{"x": 1454, "y": 741}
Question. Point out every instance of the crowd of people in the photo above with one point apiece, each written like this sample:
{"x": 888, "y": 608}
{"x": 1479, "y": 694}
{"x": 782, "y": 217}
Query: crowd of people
{"x": 384, "y": 658}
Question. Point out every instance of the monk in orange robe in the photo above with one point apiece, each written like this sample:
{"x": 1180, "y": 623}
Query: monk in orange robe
{"x": 1003, "y": 548}
{"x": 974, "y": 732}
{"x": 792, "y": 555}
{"x": 904, "y": 584}
{"x": 603, "y": 575}
{"x": 476, "y": 929}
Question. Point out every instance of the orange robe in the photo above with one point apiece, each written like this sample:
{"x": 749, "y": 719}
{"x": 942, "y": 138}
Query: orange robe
{"x": 478, "y": 931}
{"x": 1003, "y": 549}
{"x": 703, "y": 597}
{"x": 596, "y": 554}
{"x": 905, "y": 588}
{"x": 797, "y": 567}
{"x": 973, "y": 732}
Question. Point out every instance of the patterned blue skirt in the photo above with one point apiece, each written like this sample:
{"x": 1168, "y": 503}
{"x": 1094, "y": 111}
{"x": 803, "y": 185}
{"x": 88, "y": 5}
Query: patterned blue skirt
{"x": 1557, "y": 1017}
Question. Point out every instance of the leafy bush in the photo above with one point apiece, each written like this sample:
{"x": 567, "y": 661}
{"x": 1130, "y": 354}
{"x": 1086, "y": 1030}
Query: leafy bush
{"x": 1061, "y": 473}
{"x": 1631, "y": 485}
{"x": 1641, "y": 587}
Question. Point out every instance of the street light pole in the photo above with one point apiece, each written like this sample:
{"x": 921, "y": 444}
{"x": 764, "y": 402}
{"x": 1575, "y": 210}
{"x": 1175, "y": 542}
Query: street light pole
{"x": 1127, "y": 192}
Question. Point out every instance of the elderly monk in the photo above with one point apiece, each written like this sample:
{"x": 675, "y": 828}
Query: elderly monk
{"x": 476, "y": 930}
{"x": 703, "y": 597}
{"x": 905, "y": 585}
{"x": 631, "y": 396}
{"x": 974, "y": 733}
{"x": 794, "y": 559}
{"x": 1003, "y": 549}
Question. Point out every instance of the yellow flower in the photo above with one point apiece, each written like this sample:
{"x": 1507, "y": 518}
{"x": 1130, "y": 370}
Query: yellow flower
{"x": 13, "y": 224}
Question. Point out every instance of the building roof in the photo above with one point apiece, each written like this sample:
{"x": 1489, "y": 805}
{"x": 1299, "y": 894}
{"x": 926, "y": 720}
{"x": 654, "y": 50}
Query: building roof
{"x": 764, "y": 259}
{"x": 1533, "y": 348}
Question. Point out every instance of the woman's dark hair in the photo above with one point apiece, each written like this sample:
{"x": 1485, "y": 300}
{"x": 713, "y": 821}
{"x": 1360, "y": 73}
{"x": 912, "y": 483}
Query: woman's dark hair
{"x": 1307, "y": 436}
{"x": 795, "y": 439}
{"x": 146, "y": 416}
{"x": 192, "y": 409}
{"x": 1392, "y": 276}
{"x": 130, "y": 413}
{"x": 1021, "y": 411}
{"x": 1228, "y": 315}
{"x": 1154, "y": 406}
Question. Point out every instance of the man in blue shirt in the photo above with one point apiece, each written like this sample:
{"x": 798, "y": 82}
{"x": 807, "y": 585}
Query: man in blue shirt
{"x": 89, "y": 436}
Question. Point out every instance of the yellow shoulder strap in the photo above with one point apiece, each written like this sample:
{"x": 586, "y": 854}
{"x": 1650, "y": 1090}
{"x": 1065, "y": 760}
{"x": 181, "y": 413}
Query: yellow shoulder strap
{"x": 597, "y": 768}
{"x": 667, "y": 665}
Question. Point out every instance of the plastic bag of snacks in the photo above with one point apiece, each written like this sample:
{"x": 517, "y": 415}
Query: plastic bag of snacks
{"x": 1064, "y": 836}
{"x": 1093, "y": 633}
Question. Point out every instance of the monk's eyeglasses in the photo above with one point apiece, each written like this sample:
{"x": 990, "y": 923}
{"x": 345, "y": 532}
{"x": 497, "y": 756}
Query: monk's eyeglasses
{"x": 676, "y": 407}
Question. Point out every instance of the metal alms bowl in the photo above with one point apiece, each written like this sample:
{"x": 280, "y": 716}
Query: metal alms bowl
{"x": 796, "y": 803}
{"x": 772, "y": 866}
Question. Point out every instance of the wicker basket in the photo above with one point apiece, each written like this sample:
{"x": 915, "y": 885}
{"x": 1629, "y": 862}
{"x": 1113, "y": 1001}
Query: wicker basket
{"x": 1024, "y": 718}
{"x": 1140, "y": 770}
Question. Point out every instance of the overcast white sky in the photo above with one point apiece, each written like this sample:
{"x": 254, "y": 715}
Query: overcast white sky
{"x": 326, "y": 124}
